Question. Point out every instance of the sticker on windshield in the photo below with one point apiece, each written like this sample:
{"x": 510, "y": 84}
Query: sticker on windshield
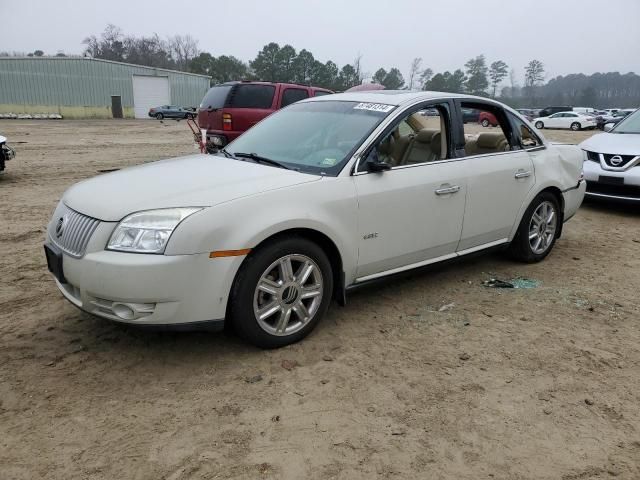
{"x": 374, "y": 107}
{"x": 329, "y": 162}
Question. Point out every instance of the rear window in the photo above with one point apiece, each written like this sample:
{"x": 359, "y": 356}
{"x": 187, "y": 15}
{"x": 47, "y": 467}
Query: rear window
{"x": 251, "y": 96}
{"x": 216, "y": 97}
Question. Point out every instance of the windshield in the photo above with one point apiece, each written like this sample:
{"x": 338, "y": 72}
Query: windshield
{"x": 312, "y": 137}
{"x": 631, "y": 124}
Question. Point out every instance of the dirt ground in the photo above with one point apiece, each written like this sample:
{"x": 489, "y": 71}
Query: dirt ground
{"x": 430, "y": 376}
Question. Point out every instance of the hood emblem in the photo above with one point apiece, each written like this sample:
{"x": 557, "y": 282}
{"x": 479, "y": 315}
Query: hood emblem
{"x": 615, "y": 160}
{"x": 62, "y": 222}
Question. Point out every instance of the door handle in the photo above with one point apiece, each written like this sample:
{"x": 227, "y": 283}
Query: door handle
{"x": 445, "y": 190}
{"x": 522, "y": 174}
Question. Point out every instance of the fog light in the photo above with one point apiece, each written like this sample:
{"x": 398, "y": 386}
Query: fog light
{"x": 123, "y": 311}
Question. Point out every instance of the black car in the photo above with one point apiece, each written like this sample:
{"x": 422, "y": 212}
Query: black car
{"x": 172, "y": 111}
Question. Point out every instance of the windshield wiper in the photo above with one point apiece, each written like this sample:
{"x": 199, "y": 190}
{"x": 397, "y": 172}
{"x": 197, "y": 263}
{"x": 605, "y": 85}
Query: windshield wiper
{"x": 259, "y": 159}
{"x": 226, "y": 153}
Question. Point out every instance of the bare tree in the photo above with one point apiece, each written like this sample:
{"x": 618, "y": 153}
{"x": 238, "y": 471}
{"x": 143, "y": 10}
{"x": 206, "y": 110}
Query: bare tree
{"x": 414, "y": 71}
{"x": 357, "y": 67}
{"x": 183, "y": 48}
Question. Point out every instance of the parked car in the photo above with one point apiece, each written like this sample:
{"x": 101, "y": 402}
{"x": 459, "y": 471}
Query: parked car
{"x": 6, "y": 153}
{"x": 171, "y": 111}
{"x": 617, "y": 118}
{"x": 528, "y": 113}
{"x": 470, "y": 115}
{"x": 584, "y": 110}
{"x": 321, "y": 197}
{"x": 487, "y": 119}
{"x": 232, "y": 108}
{"x": 574, "y": 121}
{"x": 612, "y": 164}
{"x": 548, "y": 111}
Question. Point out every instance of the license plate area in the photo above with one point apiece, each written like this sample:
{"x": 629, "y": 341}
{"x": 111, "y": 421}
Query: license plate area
{"x": 54, "y": 262}
{"x": 605, "y": 180}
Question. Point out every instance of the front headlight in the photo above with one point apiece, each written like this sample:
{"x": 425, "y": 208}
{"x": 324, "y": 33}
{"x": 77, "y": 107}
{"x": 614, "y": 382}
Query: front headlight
{"x": 148, "y": 231}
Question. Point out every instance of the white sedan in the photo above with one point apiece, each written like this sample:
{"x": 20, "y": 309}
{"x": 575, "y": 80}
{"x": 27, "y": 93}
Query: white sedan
{"x": 574, "y": 121}
{"x": 319, "y": 198}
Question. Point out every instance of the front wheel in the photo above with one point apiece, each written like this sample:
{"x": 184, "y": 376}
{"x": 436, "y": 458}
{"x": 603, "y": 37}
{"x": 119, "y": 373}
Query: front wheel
{"x": 485, "y": 122}
{"x": 281, "y": 292}
{"x": 538, "y": 229}
{"x": 575, "y": 126}
{"x": 539, "y": 125}
{"x": 159, "y": 116}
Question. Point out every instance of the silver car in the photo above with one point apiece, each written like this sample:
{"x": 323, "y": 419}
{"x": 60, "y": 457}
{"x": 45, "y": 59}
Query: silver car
{"x": 612, "y": 162}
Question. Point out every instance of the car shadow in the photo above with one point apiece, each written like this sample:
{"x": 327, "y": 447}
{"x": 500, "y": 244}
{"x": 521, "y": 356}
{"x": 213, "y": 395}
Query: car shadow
{"x": 631, "y": 209}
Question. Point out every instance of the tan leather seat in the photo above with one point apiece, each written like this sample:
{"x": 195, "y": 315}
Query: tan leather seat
{"x": 419, "y": 150}
{"x": 487, "y": 143}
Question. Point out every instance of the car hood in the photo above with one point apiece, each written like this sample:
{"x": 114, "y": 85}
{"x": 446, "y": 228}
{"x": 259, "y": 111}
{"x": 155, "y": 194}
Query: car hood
{"x": 196, "y": 180}
{"x": 613, "y": 143}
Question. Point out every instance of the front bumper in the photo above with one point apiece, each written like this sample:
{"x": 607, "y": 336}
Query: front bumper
{"x": 150, "y": 289}
{"x": 612, "y": 185}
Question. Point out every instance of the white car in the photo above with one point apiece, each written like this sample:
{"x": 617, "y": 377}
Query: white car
{"x": 572, "y": 120}
{"x": 612, "y": 167}
{"x": 318, "y": 198}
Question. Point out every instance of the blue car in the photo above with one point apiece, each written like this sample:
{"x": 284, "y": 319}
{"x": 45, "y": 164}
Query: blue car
{"x": 171, "y": 111}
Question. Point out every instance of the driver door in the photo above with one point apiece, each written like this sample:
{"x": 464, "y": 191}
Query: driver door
{"x": 410, "y": 214}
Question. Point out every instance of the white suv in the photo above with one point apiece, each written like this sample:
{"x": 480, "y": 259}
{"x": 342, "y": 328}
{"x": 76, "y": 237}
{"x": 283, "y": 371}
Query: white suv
{"x": 317, "y": 199}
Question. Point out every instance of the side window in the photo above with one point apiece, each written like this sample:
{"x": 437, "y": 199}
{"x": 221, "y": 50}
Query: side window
{"x": 419, "y": 137}
{"x": 292, "y": 95}
{"x": 526, "y": 137}
{"x": 251, "y": 96}
{"x": 320, "y": 93}
{"x": 486, "y": 129}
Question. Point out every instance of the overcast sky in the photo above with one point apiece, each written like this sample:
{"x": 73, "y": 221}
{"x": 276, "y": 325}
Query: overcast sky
{"x": 566, "y": 35}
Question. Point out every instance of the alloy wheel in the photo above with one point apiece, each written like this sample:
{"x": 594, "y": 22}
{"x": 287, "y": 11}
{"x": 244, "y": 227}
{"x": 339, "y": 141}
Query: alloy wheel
{"x": 288, "y": 295}
{"x": 542, "y": 227}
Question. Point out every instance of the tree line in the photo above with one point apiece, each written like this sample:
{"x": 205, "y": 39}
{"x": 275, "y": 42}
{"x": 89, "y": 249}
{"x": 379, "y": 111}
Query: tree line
{"x": 284, "y": 64}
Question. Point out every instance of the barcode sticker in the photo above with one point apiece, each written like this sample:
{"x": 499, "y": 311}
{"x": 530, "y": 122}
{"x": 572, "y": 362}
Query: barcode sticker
{"x": 374, "y": 107}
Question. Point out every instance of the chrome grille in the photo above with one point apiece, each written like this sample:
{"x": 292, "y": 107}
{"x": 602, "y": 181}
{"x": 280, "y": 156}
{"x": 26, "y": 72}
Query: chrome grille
{"x": 71, "y": 231}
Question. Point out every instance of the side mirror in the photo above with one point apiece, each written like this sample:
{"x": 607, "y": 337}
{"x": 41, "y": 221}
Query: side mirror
{"x": 608, "y": 126}
{"x": 374, "y": 164}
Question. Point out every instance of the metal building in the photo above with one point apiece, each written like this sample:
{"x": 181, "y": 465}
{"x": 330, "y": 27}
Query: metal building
{"x": 78, "y": 87}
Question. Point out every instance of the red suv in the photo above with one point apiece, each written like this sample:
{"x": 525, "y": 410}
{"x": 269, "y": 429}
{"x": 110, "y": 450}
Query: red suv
{"x": 232, "y": 108}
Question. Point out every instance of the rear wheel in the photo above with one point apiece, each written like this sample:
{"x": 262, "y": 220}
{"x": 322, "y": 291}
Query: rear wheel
{"x": 159, "y": 116}
{"x": 539, "y": 125}
{"x": 575, "y": 126}
{"x": 485, "y": 122}
{"x": 538, "y": 229}
{"x": 281, "y": 292}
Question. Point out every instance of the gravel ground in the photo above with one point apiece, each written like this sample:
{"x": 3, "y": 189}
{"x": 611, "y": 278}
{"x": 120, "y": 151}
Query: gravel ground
{"x": 431, "y": 375}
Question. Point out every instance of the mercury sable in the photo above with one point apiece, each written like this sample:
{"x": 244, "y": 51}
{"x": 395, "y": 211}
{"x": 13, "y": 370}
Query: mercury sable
{"x": 320, "y": 197}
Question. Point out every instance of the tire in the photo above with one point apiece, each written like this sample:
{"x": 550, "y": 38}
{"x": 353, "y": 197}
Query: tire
{"x": 539, "y": 125}
{"x": 269, "y": 281}
{"x": 575, "y": 126}
{"x": 190, "y": 116}
{"x": 523, "y": 246}
{"x": 485, "y": 122}
{"x": 159, "y": 116}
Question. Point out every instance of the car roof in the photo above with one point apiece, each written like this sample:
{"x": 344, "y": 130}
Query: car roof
{"x": 394, "y": 97}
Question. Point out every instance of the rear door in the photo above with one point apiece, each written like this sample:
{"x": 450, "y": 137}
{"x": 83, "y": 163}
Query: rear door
{"x": 499, "y": 177}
